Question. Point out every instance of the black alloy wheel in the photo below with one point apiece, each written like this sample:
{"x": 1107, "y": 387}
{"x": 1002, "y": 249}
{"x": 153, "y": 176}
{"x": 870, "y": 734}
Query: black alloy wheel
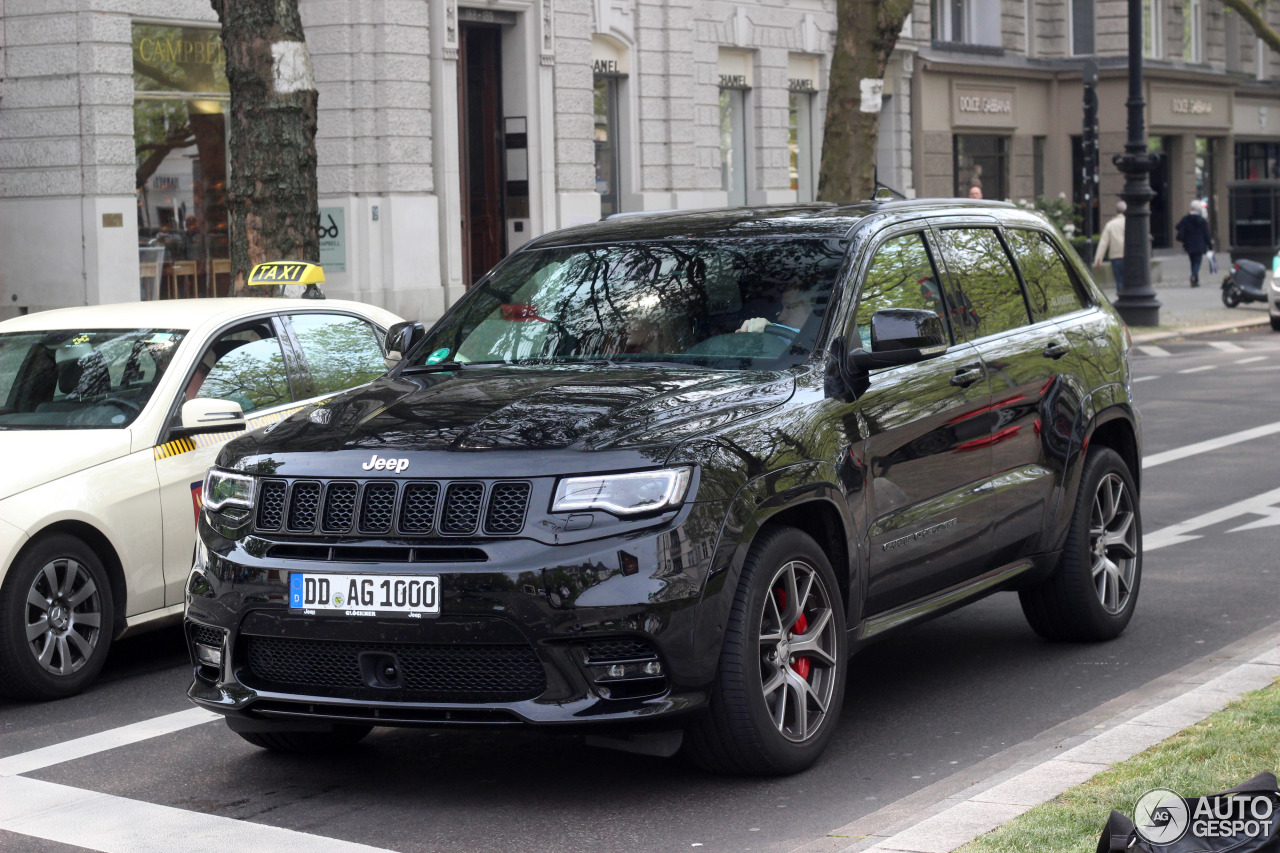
{"x": 56, "y": 620}
{"x": 780, "y": 685}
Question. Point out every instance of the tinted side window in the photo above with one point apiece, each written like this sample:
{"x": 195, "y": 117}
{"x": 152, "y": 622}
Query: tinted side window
{"x": 246, "y": 365}
{"x": 979, "y": 265}
{"x": 341, "y": 351}
{"x": 900, "y": 276}
{"x": 1051, "y": 289}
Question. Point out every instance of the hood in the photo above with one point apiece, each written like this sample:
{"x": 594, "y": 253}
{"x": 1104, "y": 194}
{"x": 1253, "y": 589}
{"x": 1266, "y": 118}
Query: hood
{"x": 34, "y": 457}
{"x": 572, "y": 408}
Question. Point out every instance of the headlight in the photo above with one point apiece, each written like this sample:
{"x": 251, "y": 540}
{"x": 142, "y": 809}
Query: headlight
{"x": 222, "y": 488}
{"x": 623, "y": 494}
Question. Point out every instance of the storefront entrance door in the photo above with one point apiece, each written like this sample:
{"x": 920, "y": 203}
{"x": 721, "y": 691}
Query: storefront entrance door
{"x": 480, "y": 127}
{"x": 1160, "y": 237}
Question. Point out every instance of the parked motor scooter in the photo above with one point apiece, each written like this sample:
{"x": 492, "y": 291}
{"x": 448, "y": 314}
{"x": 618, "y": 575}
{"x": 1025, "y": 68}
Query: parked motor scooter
{"x": 1244, "y": 283}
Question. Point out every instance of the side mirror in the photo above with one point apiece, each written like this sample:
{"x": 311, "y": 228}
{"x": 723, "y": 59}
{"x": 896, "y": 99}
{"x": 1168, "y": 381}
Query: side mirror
{"x": 401, "y": 338}
{"x": 209, "y": 414}
{"x": 900, "y": 336}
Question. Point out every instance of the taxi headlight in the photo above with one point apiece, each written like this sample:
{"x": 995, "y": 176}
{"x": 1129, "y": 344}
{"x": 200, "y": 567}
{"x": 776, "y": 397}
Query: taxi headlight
{"x": 222, "y": 488}
{"x": 624, "y": 494}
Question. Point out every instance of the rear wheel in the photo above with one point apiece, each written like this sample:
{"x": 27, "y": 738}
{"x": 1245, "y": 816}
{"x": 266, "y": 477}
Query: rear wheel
{"x": 1231, "y": 296}
{"x": 1275, "y": 323}
{"x": 56, "y": 620}
{"x": 780, "y": 684}
{"x": 1092, "y": 593}
{"x": 295, "y": 742}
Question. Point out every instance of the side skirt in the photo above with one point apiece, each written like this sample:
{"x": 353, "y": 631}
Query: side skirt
{"x": 946, "y": 599}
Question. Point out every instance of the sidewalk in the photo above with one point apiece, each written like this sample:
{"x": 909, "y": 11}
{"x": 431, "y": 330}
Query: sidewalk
{"x": 1186, "y": 310}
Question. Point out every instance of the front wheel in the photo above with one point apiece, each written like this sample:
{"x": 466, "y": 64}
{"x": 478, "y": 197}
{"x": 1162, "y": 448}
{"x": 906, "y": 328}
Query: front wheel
{"x": 1275, "y": 323}
{"x": 56, "y": 619}
{"x": 780, "y": 685}
{"x": 1092, "y": 593}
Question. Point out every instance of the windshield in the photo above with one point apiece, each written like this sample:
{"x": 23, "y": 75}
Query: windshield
{"x": 81, "y": 378}
{"x": 734, "y": 303}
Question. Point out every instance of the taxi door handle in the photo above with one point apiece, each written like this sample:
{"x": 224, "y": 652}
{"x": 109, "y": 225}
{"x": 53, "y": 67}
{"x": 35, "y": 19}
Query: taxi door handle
{"x": 1056, "y": 351}
{"x": 967, "y": 375}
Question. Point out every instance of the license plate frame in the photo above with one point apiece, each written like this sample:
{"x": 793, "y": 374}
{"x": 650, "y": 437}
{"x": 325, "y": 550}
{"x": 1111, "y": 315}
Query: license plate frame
{"x": 329, "y": 593}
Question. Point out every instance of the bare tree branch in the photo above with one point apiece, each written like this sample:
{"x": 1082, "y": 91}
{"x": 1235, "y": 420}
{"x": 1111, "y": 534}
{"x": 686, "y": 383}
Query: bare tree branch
{"x": 1256, "y": 22}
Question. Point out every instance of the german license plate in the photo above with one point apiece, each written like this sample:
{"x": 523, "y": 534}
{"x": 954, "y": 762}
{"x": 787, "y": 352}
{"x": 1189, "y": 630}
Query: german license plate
{"x": 365, "y": 595}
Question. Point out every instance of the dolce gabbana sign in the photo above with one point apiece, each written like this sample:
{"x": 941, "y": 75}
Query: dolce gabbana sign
{"x": 1182, "y": 107}
{"x": 984, "y": 106}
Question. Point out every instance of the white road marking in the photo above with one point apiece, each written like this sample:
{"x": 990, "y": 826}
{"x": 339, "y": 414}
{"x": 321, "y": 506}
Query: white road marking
{"x": 1181, "y": 532}
{"x": 1152, "y": 349}
{"x": 1212, "y": 444}
{"x": 1225, "y": 346}
{"x": 1144, "y": 378}
{"x": 1198, "y": 369}
{"x": 1252, "y": 360}
{"x": 47, "y": 756}
{"x": 120, "y": 825}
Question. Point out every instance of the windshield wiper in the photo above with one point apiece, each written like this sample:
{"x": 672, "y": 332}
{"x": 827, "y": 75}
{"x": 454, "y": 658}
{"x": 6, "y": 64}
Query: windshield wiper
{"x": 440, "y": 367}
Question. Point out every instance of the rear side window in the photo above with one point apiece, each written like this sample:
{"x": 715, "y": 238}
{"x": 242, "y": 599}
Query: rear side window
{"x": 991, "y": 298}
{"x": 900, "y": 276}
{"x": 1051, "y": 289}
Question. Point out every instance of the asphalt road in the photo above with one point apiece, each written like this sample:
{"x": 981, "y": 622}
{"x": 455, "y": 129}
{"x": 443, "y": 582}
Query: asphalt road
{"x": 926, "y": 705}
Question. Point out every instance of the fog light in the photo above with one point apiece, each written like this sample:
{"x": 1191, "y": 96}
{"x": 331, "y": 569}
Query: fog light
{"x": 616, "y": 671}
{"x": 209, "y": 656}
{"x": 653, "y": 668}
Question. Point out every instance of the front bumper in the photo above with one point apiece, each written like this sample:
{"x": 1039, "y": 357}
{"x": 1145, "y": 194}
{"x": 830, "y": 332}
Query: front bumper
{"x": 603, "y": 633}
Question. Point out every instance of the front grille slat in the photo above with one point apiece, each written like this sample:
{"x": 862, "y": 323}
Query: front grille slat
{"x": 415, "y": 508}
{"x": 476, "y": 672}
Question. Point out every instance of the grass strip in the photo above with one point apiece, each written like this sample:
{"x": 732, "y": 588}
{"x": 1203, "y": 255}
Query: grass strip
{"x": 1217, "y": 753}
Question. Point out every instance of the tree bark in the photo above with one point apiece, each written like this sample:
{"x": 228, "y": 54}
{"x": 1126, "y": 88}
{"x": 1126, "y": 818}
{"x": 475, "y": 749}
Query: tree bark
{"x": 272, "y": 197}
{"x": 867, "y": 31}
{"x": 1253, "y": 17}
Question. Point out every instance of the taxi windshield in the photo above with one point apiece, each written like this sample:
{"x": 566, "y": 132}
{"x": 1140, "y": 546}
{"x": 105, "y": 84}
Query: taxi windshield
{"x": 81, "y": 378}
{"x": 726, "y": 303}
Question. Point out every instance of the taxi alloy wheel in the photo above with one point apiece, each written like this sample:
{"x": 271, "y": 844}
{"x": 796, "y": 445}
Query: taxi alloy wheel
{"x": 55, "y": 620}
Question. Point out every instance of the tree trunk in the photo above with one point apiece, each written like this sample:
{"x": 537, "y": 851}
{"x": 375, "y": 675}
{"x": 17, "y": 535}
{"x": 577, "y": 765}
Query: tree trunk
{"x": 867, "y": 32}
{"x": 1257, "y": 23}
{"x": 272, "y": 197}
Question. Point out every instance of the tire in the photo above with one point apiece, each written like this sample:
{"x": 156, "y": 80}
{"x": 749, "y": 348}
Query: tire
{"x": 772, "y": 712}
{"x": 1092, "y": 593}
{"x": 304, "y": 742}
{"x": 56, "y": 620}
{"x": 1275, "y": 323}
{"x": 1231, "y": 296}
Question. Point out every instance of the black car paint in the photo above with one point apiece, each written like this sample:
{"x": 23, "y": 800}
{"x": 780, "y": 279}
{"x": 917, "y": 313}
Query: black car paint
{"x": 812, "y": 446}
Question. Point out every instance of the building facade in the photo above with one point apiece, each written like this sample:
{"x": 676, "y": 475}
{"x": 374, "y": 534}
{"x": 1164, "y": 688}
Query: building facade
{"x": 452, "y": 131}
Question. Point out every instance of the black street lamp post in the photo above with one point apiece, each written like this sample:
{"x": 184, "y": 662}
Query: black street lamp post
{"x": 1137, "y": 301}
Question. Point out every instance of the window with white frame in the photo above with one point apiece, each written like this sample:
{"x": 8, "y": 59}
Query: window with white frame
{"x": 967, "y": 22}
{"x": 1151, "y": 23}
{"x": 735, "y": 71}
{"x": 1082, "y": 28}
{"x": 1191, "y": 30}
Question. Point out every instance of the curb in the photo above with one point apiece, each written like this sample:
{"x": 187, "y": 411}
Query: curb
{"x": 984, "y": 805}
{"x": 1191, "y": 331}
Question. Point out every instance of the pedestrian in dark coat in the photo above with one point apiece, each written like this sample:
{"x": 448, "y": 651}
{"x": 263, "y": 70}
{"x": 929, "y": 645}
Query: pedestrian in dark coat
{"x": 1193, "y": 233}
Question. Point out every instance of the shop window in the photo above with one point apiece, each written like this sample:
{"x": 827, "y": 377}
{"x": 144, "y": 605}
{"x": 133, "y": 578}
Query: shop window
{"x": 981, "y": 162}
{"x": 967, "y": 22}
{"x": 1257, "y": 161}
{"x": 733, "y": 144}
{"x": 800, "y": 144}
{"x": 180, "y": 144}
{"x": 1191, "y": 30}
{"x": 606, "y": 140}
{"x": 1082, "y": 29}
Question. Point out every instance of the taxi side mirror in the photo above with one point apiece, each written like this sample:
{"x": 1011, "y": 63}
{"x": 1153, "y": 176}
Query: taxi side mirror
{"x": 209, "y": 414}
{"x": 401, "y": 338}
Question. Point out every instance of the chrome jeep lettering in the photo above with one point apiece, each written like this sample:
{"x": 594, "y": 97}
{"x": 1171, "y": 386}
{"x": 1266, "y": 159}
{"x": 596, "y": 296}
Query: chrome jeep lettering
{"x": 376, "y": 463}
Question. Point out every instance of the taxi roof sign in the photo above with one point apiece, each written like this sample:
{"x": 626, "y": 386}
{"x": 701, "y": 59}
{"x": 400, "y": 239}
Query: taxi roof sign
{"x": 286, "y": 272}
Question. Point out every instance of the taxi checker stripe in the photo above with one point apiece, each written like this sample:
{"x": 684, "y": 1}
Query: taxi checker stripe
{"x": 185, "y": 445}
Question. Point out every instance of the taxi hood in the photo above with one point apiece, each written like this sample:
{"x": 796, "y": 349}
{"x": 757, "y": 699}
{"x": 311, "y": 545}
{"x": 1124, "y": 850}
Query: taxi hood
{"x": 563, "y": 408}
{"x": 33, "y": 457}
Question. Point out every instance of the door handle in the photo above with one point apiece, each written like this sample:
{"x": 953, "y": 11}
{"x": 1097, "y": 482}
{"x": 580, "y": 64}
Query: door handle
{"x": 1056, "y": 351}
{"x": 966, "y": 376}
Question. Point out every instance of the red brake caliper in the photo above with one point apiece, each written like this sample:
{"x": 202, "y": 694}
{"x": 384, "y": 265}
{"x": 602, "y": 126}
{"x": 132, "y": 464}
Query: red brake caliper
{"x": 802, "y": 664}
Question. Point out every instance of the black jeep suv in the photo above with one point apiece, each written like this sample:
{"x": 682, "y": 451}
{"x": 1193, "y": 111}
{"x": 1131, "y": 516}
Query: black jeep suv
{"x": 662, "y": 474}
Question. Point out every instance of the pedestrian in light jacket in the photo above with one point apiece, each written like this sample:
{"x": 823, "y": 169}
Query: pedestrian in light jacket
{"x": 1193, "y": 233}
{"x": 1111, "y": 246}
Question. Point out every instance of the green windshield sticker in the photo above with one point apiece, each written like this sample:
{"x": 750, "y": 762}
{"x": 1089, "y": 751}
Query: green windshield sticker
{"x": 438, "y": 356}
